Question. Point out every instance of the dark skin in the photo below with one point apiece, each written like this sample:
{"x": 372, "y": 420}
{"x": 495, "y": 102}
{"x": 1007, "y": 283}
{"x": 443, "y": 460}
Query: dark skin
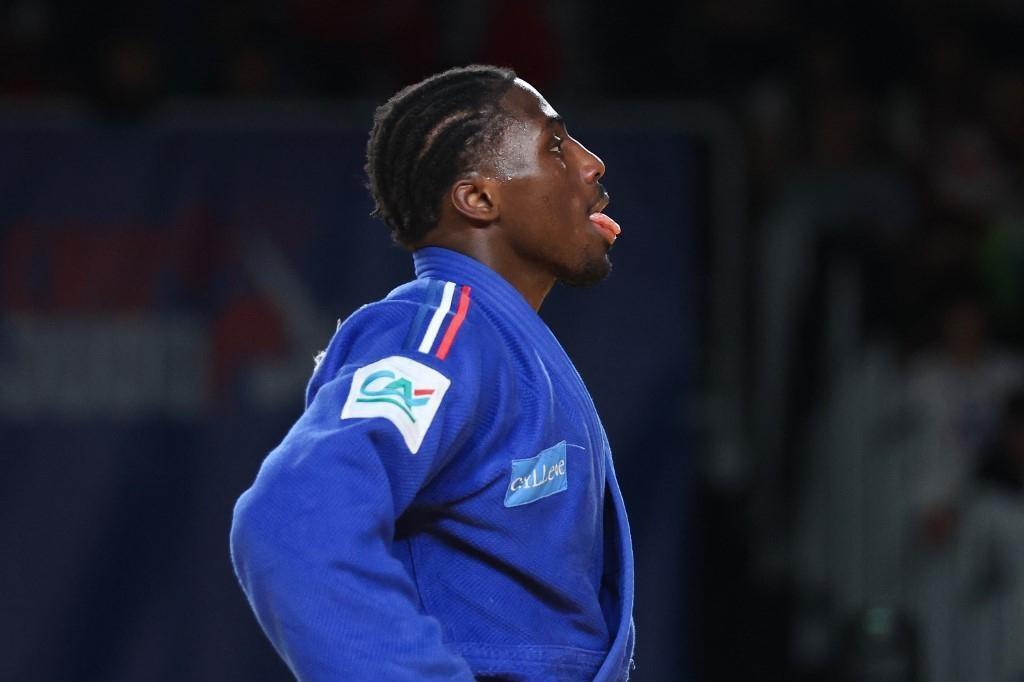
{"x": 524, "y": 212}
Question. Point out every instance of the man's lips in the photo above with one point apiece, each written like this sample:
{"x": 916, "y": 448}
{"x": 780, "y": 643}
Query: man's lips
{"x": 606, "y": 226}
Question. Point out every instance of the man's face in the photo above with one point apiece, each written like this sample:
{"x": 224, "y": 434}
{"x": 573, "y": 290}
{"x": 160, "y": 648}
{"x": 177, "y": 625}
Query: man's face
{"x": 548, "y": 184}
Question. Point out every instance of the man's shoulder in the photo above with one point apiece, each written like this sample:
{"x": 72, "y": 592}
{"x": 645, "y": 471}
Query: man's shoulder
{"x": 390, "y": 316}
{"x": 431, "y": 321}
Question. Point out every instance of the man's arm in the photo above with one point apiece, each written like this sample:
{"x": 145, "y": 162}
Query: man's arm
{"x": 311, "y": 540}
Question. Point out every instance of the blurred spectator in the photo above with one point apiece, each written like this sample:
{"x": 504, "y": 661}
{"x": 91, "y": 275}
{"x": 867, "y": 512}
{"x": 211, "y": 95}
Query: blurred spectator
{"x": 1002, "y": 465}
{"x": 26, "y": 36}
{"x": 128, "y": 74}
{"x": 1001, "y": 265}
{"x": 1004, "y": 108}
{"x": 956, "y": 393}
{"x": 990, "y": 558}
{"x": 364, "y": 46}
{"x": 246, "y": 44}
{"x": 251, "y": 72}
{"x": 968, "y": 177}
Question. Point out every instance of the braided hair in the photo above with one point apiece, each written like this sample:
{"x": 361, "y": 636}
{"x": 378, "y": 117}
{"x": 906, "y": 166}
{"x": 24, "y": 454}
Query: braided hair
{"x": 425, "y": 136}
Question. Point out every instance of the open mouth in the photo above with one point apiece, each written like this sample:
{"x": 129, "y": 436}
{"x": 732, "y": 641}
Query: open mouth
{"x": 608, "y": 228}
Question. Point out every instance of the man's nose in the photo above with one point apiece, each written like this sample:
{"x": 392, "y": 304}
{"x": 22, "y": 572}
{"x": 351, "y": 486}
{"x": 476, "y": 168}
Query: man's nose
{"x": 592, "y": 167}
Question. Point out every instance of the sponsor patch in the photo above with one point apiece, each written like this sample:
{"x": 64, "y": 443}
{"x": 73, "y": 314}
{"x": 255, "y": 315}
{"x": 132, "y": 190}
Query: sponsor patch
{"x": 405, "y": 392}
{"x": 537, "y": 477}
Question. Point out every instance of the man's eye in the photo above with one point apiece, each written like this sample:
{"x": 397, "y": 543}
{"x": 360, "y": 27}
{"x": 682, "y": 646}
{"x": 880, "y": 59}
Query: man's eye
{"x": 556, "y": 145}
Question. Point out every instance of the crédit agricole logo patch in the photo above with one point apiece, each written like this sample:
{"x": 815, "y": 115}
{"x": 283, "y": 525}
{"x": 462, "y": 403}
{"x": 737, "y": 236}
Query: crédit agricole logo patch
{"x": 384, "y": 386}
{"x": 405, "y": 392}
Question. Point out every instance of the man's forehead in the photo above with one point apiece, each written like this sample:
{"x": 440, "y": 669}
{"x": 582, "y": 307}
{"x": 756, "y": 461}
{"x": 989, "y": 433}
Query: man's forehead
{"x": 528, "y": 116}
{"x": 536, "y": 101}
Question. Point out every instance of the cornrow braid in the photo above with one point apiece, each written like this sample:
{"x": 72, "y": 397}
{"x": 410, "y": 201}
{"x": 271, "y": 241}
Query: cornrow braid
{"x": 424, "y": 137}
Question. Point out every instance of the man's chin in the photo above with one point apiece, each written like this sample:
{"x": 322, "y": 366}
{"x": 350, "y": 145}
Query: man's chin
{"x": 592, "y": 272}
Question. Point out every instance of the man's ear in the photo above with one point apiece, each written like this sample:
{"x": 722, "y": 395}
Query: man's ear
{"x": 475, "y": 197}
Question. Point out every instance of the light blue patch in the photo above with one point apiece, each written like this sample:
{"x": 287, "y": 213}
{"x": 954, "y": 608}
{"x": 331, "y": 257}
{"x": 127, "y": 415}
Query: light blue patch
{"x": 537, "y": 477}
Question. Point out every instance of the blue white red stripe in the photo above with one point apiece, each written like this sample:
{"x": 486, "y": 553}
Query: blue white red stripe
{"x": 442, "y": 321}
{"x": 453, "y": 328}
{"x": 427, "y": 342}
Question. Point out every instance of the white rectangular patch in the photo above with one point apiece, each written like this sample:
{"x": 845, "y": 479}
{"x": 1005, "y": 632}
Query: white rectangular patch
{"x": 405, "y": 392}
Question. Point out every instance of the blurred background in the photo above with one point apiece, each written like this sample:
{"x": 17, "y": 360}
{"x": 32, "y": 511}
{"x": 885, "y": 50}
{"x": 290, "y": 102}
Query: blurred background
{"x": 808, "y": 358}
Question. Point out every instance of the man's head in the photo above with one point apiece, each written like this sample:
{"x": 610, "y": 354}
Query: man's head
{"x": 494, "y": 174}
{"x": 425, "y": 136}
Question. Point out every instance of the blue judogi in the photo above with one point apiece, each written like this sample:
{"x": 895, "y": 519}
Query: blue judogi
{"x": 446, "y": 506}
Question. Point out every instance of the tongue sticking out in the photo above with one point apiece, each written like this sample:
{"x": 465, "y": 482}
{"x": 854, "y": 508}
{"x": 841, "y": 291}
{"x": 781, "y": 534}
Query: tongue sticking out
{"x": 606, "y": 226}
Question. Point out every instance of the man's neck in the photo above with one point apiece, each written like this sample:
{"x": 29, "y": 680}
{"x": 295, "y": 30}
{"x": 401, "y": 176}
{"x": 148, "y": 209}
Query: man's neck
{"x": 533, "y": 284}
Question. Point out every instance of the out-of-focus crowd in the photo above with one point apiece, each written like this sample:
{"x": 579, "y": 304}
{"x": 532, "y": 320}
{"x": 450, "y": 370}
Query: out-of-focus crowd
{"x": 889, "y": 308}
{"x": 124, "y": 59}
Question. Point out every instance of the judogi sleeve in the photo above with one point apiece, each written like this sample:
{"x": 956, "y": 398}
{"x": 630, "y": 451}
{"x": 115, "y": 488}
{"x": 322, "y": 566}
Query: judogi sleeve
{"x": 311, "y": 539}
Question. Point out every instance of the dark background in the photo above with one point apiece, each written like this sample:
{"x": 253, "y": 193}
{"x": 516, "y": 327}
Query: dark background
{"x": 803, "y": 358}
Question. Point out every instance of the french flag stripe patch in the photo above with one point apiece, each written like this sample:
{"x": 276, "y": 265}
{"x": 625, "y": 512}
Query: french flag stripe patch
{"x": 413, "y": 337}
{"x": 453, "y": 328}
{"x": 435, "y": 322}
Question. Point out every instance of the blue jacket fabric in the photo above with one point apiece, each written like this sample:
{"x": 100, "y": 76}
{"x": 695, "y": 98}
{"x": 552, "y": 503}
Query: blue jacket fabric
{"x": 446, "y": 507}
